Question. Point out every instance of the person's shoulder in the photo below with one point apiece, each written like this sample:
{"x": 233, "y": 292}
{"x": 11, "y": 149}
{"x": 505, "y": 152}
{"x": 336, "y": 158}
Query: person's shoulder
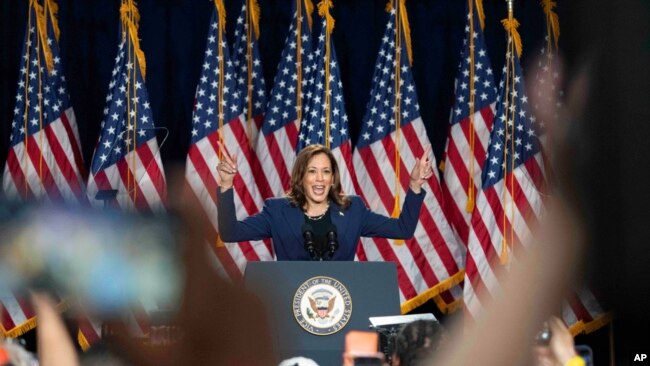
{"x": 277, "y": 202}
{"x": 356, "y": 202}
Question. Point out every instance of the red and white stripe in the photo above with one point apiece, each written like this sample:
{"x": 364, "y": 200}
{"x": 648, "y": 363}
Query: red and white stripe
{"x": 501, "y": 210}
{"x": 277, "y": 153}
{"x": 48, "y": 166}
{"x": 201, "y": 175}
{"x": 139, "y": 179}
{"x": 433, "y": 255}
{"x": 15, "y": 312}
{"x": 458, "y": 159}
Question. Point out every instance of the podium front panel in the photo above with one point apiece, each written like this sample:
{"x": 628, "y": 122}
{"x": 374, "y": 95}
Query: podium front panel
{"x": 371, "y": 291}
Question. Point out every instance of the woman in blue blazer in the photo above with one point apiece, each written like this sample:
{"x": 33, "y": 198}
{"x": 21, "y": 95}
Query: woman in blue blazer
{"x": 315, "y": 220}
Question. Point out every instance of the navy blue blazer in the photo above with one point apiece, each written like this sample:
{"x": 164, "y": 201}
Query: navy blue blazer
{"x": 282, "y": 222}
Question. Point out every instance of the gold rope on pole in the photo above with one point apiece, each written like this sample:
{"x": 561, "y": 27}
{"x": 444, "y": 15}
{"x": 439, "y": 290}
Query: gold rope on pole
{"x": 469, "y": 207}
{"x": 323, "y": 11}
{"x": 25, "y": 113}
{"x": 249, "y": 61}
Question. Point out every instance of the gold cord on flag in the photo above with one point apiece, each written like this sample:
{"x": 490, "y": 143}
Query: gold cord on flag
{"x": 40, "y": 42}
{"x": 221, "y": 14}
{"x": 250, "y": 23}
{"x": 508, "y": 199}
{"x": 398, "y": 159}
{"x": 471, "y": 192}
{"x": 25, "y": 112}
{"x": 299, "y": 58}
{"x": 324, "y": 11}
{"x": 406, "y": 28}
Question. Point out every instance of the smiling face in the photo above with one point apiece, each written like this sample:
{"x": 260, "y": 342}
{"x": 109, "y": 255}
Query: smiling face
{"x": 317, "y": 179}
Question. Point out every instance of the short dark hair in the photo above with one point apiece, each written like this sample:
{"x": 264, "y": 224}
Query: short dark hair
{"x": 417, "y": 340}
{"x": 296, "y": 192}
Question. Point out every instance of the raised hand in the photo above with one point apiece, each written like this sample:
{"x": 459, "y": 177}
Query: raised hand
{"x": 227, "y": 169}
{"x": 422, "y": 170}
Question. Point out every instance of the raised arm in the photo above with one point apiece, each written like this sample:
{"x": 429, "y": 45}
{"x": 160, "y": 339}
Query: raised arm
{"x": 255, "y": 227}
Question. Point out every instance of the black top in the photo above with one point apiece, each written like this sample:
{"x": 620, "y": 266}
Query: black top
{"x": 319, "y": 228}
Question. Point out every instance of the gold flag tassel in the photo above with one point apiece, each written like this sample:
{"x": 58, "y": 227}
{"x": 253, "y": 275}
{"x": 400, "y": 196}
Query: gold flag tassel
{"x": 41, "y": 20}
{"x": 309, "y": 9}
{"x": 511, "y": 24}
{"x": 324, "y": 11}
{"x": 481, "y": 13}
{"x": 552, "y": 22}
{"x": 131, "y": 18}
{"x": 52, "y": 9}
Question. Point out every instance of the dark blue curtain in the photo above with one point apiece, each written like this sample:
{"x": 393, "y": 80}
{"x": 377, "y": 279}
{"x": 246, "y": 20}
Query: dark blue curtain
{"x": 173, "y": 37}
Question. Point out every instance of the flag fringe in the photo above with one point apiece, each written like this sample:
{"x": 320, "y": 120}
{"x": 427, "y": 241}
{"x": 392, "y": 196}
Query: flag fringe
{"x": 585, "y": 328}
{"x": 30, "y": 323}
{"x": 448, "y": 308}
{"x": 433, "y": 292}
{"x": 83, "y": 342}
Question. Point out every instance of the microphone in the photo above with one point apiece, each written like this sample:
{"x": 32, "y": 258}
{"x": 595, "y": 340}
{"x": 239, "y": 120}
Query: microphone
{"x": 308, "y": 235}
{"x": 332, "y": 241}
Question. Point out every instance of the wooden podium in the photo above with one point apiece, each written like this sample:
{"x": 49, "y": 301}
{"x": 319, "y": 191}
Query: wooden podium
{"x": 312, "y": 305}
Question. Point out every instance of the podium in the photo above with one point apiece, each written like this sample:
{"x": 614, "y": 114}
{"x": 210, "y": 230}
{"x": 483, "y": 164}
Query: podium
{"x": 312, "y": 305}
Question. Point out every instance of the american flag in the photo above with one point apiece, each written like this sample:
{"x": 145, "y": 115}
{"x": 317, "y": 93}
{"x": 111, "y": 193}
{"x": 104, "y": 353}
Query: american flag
{"x": 471, "y": 121}
{"x": 127, "y": 156}
{"x": 246, "y": 56}
{"x": 582, "y": 311}
{"x": 276, "y": 145}
{"x": 430, "y": 262}
{"x": 218, "y": 108}
{"x": 325, "y": 95}
{"x": 510, "y": 200}
{"x": 44, "y": 160}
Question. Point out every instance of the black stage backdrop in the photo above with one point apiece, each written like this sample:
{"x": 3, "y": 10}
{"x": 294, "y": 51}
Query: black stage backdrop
{"x": 173, "y": 36}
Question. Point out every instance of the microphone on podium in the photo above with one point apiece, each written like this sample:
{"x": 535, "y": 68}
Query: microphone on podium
{"x": 308, "y": 235}
{"x": 332, "y": 241}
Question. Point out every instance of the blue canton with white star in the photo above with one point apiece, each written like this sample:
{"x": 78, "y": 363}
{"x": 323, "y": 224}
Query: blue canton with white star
{"x": 205, "y": 118}
{"x": 524, "y": 139}
{"x": 282, "y": 103}
{"x": 312, "y": 126}
{"x": 379, "y": 120}
{"x": 127, "y": 100}
{"x": 485, "y": 90}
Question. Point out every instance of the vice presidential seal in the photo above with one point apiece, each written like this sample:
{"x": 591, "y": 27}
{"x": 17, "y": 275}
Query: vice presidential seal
{"x": 322, "y": 305}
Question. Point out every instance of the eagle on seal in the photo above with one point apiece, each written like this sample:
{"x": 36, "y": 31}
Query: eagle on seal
{"x": 322, "y": 306}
